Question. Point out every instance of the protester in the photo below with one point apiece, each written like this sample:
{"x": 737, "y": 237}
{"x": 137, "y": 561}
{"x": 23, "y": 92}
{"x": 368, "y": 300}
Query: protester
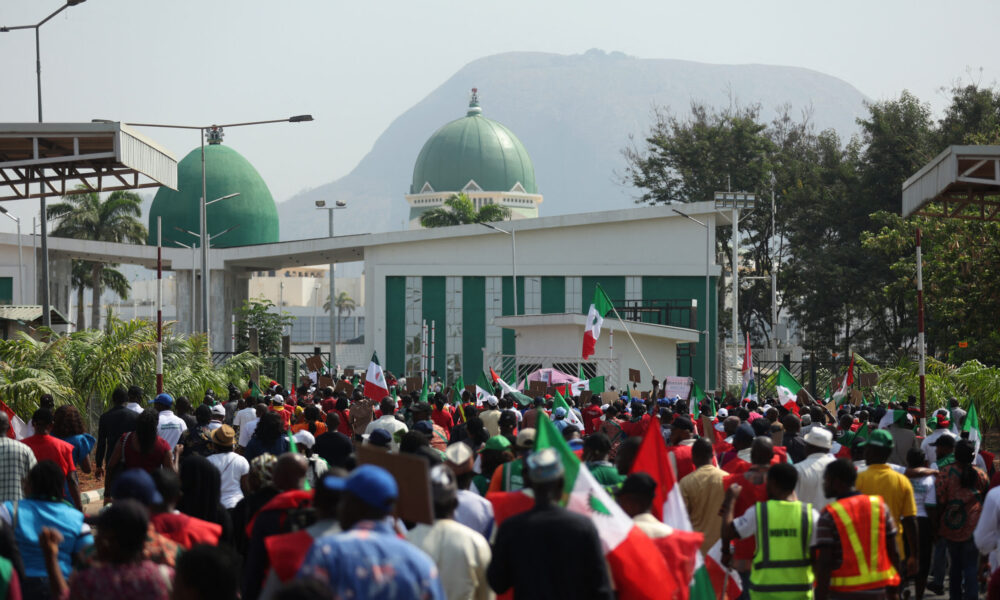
{"x": 491, "y": 416}
{"x": 472, "y": 510}
{"x": 344, "y": 561}
{"x": 311, "y": 422}
{"x": 40, "y": 508}
{"x": 201, "y": 493}
{"x": 117, "y": 421}
{"x": 268, "y": 438}
{"x": 259, "y": 490}
{"x": 961, "y": 488}
{"x": 903, "y": 437}
{"x": 703, "y": 493}
{"x": 141, "y": 449}
{"x": 389, "y": 423}
{"x": 207, "y": 573}
{"x": 248, "y": 429}
{"x": 185, "y": 410}
{"x": 753, "y": 489}
{"x": 16, "y": 460}
{"x": 135, "y": 399}
{"x": 987, "y": 538}
{"x": 783, "y": 529}
{"x": 67, "y": 425}
{"x": 635, "y": 497}
{"x": 461, "y": 554}
{"x": 926, "y": 498}
{"x": 566, "y": 543}
{"x": 49, "y": 448}
{"x": 816, "y": 445}
{"x": 231, "y": 466}
{"x": 843, "y": 567}
{"x": 186, "y": 530}
{"x": 197, "y": 439}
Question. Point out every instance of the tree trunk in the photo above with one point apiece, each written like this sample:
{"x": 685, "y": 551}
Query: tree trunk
{"x": 95, "y": 284}
{"x": 80, "y": 310}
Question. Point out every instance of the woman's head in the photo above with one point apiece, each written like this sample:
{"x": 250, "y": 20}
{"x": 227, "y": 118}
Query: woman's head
{"x": 67, "y": 422}
{"x": 200, "y": 488}
{"x": 342, "y": 403}
{"x": 269, "y": 429}
{"x": 145, "y": 429}
{"x": 121, "y": 532}
{"x": 44, "y": 480}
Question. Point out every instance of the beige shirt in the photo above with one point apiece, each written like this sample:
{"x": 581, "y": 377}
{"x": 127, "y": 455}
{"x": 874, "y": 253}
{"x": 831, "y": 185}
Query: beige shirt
{"x": 461, "y": 555}
{"x": 703, "y": 494}
{"x": 652, "y": 527}
{"x": 491, "y": 421}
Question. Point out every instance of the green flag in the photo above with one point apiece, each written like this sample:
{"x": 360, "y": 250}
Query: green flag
{"x": 484, "y": 388}
{"x": 787, "y": 386}
{"x": 972, "y": 425}
{"x": 254, "y": 390}
{"x": 863, "y": 432}
{"x": 697, "y": 395}
{"x": 580, "y": 372}
{"x": 459, "y": 387}
{"x": 423, "y": 392}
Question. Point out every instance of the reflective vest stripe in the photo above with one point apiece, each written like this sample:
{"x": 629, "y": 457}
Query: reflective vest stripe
{"x": 875, "y": 526}
{"x": 852, "y": 538}
{"x": 782, "y": 565}
{"x": 869, "y": 572}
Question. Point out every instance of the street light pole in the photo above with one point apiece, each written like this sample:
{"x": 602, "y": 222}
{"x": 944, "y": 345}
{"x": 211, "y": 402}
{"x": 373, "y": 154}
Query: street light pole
{"x": 203, "y": 129}
{"x": 708, "y": 305}
{"x": 20, "y": 258}
{"x": 513, "y": 257}
{"x": 334, "y": 318}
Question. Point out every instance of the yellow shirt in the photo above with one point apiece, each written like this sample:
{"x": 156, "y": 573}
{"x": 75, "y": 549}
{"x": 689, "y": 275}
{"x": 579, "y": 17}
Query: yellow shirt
{"x": 703, "y": 494}
{"x": 895, "y": 489}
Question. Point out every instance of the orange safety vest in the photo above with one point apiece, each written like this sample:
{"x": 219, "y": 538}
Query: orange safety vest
{"x": 861, "y": 526}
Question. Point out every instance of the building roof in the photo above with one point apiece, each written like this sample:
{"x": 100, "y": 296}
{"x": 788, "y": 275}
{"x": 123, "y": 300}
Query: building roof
{"x": 668, "y": 332}
{"x": 963, "y": 182}
{"x": 30, "y": 314}
{"x": 473, "y": 149}
{"x": 100, "y": 157}
{"x": 253, "y": 212}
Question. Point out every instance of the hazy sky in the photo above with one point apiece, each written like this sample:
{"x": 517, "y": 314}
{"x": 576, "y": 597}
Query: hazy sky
{"x": 356, "y": 66}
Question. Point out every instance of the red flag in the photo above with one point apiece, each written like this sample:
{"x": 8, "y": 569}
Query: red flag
{"x": 850, "y": 372}
{"x": 652, "y": 459}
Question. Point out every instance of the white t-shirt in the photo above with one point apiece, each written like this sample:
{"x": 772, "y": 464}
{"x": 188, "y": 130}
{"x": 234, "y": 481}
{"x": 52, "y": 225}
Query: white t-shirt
{"x": 245, "y": 416}
{"x": 246, "y": 432}
{"x": 232, "y": 467}
{"x": 475, "y": 512}
{"x": 746, "y": 524}
{"x": 923, "y": 493}
{"x": 171, "y": 427}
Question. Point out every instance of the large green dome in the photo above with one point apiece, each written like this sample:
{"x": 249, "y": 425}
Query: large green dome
{"x": 226, "y": 172}
{"x": 473, "y": 148}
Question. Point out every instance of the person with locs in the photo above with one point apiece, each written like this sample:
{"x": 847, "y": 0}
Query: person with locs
{"x": 817, "y": 456}
{"x": 783, "y": 529}
{"x": 548, "y": 534}
{"x": 460, "y": 553}
{"x": 368, "y": 559}
{"x": 855, "y": 553}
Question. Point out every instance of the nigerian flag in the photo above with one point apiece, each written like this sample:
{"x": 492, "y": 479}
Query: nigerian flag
{"x": 697, "y": 395}
{"x": 484, "y": 388}
{"x": 424, "y": 392}
{"x": 571, "y": 417}
{"x": 459, "y": 387}
{"x": 787, "y": 387}
{"x": 594, "y": 384}
{"x": 972, "y": 426}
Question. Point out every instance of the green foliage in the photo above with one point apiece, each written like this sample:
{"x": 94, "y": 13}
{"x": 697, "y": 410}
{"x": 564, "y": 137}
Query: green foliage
{"x": 262, "y": 315}
{"x": 344, "y": 304}
{"x": 83, "y": 368}
{"x": 459, "y": 210}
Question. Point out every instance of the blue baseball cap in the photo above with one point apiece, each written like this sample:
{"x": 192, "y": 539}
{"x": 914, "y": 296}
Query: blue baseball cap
{"x": 138, "y": 485}
{"x": 163, "y": 399}
{"x": 380, "y": 437}
{"x": 373, "y": 485}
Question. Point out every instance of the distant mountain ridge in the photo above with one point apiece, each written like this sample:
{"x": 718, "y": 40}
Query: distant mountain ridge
{"x": 574, "y": 115}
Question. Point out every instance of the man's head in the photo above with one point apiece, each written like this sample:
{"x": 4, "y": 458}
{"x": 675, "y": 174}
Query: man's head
{"x": 953, "y": 402}
{"x": 781, "y": 481}
{"x": 138, "y": 485}
{"x": 421, "y": 411}
{"x": 368, "y": 493}
{"x": 680, "y": 430}
{"x": 135, "y": 394}
{"x": 387, "y": 406}
{"x": 944, "y": 445}
{"x": 207, "y": 573}
{"x": 819, "y": 440}
{"x": 596, "y": 447}
{"x": 915, "y": 458}
{"x": 730, "y": 425}
{"x": 743, "y": 437}
{"x": 41, "y": 420}
{"x": 121, "y": 531}
{"x": 168, "y": 484}
{"x": 224, "y": 439}
{"x": 119, "y": 395}
{"x": 879, "y": 447}
{"x": 444, "y": 491}
{"x": 326, "y": 499}
{"x": 701, "y": 452}
{"x": 636, "y": 494}
{"x": 163, "y": 402}
{"x": 4, "y": 424}
{"x": 290, "y": 471}
{"x": 545, "y": 474}
{"x": 761, "y": 451}
{"x": 792, "y": 424}
{"x": 838, "y": 478}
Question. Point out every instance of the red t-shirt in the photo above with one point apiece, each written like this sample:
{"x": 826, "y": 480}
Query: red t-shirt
{"x": 443, "y": 419}
{"x": 149, "y": 461}
{"x": 682, "y": 457}
{"x": 590, "y": 415}
{"x": 749, "y": 495}
{"x": 47, "y": 447}
{"x": 186, "y": 530}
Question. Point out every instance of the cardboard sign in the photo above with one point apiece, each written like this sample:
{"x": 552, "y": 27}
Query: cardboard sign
{"x": 545, "y": 376}
{"x": 537, "y": 388}
{"x": 412, "y": 478}
{"x": 644, "y": 395}
{"x": 676, "y": 386}
{"x": 325, "y": 381}
{"x": 585, "y": 397}
{"x": 349, "y": 373}
{"x": 314, "y": 364}
{"x": 345, "y": 387}
{"x": 856, "y": 397}
{"x": 868, "y": 380}
{"x": 414, "y": 383}
{"x": 633, "y": 375}
{"x": 609, "y": 397}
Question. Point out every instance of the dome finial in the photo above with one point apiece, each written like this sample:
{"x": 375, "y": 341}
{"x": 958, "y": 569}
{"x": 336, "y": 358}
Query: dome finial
{"x": 474, "y": 109}
{"x": 214, "y": 136}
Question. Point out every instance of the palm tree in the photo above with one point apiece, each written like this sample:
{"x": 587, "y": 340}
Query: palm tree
{"x": 85, "y": 216}
{"x": 459, "y": 210}
{"x": 343, "y": 304}
{"x": 111, "y": 278}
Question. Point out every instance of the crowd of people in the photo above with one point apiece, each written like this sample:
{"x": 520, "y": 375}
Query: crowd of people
{"x": 261, "y": 495}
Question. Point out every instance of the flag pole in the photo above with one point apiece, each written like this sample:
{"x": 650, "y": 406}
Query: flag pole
{"x": 920, "y": 338}
{"x": 620, "y": 320}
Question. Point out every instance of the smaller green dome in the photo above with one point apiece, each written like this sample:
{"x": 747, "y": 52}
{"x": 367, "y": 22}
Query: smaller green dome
{"x": 473, "y": 148}
{"x": 252, "y": 213}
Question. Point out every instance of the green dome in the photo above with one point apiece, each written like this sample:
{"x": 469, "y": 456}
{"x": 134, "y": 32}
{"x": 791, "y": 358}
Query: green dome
{"x": 473, "y": 148}
{"x": 226, "y": 172}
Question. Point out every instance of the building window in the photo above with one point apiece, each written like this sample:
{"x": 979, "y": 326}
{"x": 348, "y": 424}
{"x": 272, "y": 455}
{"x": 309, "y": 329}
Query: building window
{"x": 494, "y": 309}
{"x": 453, "y": 327}
{"x": 633, "y": 289}
{"x": 414, "y": 324}
{"x": 532, "y": 295}
{"x": 574, "y": 291}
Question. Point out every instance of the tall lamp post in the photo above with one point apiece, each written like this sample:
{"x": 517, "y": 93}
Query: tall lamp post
{"x": 206, "y": 243}
{"x": 708, "y": 304}
{"x": 513, "y": 258}
{"x": 20, "y": 260}
{"x": 338, "y": 205}
{"x": 203, "y": 131}
{"x": 42, "y": 203}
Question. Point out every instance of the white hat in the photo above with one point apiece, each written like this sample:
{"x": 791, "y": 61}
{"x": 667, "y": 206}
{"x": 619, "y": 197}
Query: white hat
{"x": 277, "y": 399}
{"x": 305, "y": 438}
{"x": 218, "y": 410}
{"x": 722, "y": 413}
{"x": 819, "y": 437}
{"x": 492, "y": 401}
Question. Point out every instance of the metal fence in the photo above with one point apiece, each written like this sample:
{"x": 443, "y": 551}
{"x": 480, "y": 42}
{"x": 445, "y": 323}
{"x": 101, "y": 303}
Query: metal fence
{"x": 814, "y": 374}
{"x": 506, "y": 365}
{"x": 286, "y": 370}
